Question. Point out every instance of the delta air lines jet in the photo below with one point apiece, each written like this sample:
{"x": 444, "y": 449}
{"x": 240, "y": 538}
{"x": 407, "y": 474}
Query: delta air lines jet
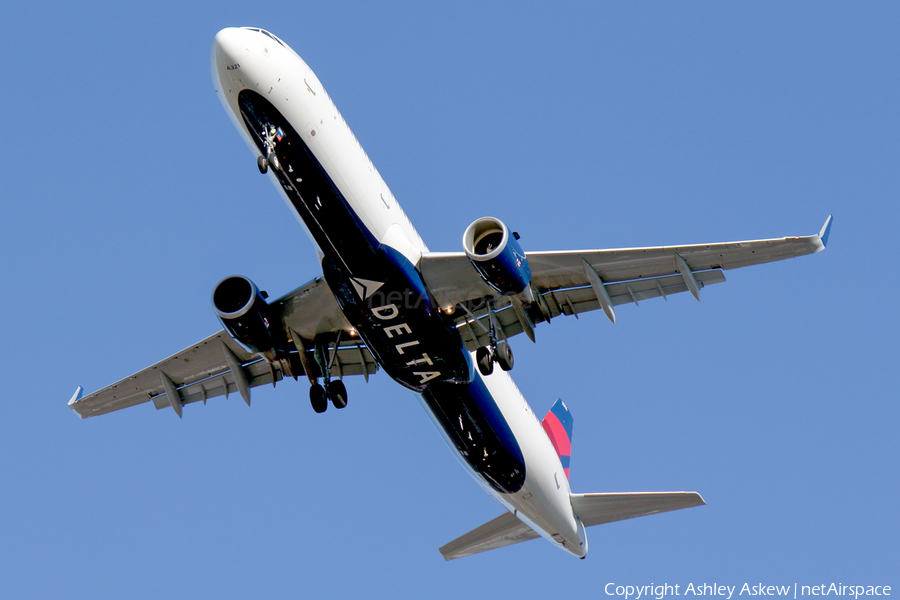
{"x": 437, "y": 323}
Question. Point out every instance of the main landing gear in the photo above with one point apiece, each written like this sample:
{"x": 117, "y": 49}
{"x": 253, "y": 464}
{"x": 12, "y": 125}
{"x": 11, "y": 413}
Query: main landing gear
{"x": 486, "y": 356}
{"x": 269, "y": 136}
{"x": 333, "y": 390}
{"x": 496, "y": 352}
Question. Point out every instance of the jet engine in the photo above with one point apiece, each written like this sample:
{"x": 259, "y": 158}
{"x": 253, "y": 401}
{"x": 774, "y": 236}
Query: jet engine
{"x": 497, "y": 256}
{"x": 243, "y": 311}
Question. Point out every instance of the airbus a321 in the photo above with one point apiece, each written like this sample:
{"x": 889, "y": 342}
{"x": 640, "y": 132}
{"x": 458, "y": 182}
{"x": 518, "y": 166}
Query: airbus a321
{"x": 438, "y": 323}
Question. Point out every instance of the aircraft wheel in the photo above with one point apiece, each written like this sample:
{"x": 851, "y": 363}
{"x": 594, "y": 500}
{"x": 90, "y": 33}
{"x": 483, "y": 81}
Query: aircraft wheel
{"x": 338, "y": 393}
{"x": 272, "y": 159}
{"x": 484, "y": 360}
{"x": 504, "y": 356}
{"x": 317, "y": 398}
{"x": 263, "y": 164}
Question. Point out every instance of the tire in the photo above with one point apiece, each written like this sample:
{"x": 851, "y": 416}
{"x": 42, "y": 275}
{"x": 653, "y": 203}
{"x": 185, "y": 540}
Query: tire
{"x": 262, "y": 164}
{"x": 317, "y": 398}
{"x": 337, "y": 393}
{"x": 484, "y": 360}
{"x": 505, "y": 356}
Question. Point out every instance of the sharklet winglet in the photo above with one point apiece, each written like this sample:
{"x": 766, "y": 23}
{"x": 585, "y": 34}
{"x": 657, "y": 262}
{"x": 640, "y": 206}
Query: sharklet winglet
{"x": 76, "y": 396}
{"x": 826, "y": 229}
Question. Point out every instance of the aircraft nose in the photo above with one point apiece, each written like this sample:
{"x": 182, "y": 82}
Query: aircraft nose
{"x": 227, "y": 46}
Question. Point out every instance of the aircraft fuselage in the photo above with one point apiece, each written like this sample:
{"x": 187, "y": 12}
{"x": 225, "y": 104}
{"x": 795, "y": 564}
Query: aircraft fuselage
{"x": 369, "y": 251}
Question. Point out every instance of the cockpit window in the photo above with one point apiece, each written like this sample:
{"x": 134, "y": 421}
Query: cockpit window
{"x": 264, "y": 32}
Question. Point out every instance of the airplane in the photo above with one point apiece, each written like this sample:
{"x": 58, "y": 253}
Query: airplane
{"x": 436, "y": 322}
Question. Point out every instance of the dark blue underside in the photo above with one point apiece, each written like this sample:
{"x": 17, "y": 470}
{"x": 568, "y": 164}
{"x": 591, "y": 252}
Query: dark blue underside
{"x": 472, "y": 420}
{"x": 399, "y": 324}
{"x": 337, "y": 229}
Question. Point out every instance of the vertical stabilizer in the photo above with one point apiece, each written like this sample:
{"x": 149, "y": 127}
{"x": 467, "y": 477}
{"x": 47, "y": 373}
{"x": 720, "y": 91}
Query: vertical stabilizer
{"x": 558, "y": 425}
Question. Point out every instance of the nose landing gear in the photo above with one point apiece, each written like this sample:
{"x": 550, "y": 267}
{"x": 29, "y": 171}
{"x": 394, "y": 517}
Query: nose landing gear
{"x": 270, "y": 135}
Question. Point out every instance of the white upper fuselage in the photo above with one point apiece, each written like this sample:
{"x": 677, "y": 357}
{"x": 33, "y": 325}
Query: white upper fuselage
{"x": 251, "y": 59}
{"x": 246, "y": 58}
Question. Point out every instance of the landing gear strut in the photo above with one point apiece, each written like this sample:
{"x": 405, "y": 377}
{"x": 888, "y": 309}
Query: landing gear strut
{"x": 334, "y": 390}
{"x": 495, "y": 351}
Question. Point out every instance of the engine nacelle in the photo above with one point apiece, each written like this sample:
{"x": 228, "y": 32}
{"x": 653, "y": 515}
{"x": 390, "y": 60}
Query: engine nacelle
{"x": 244, "y": 313}
{"x": 497, "y": 256}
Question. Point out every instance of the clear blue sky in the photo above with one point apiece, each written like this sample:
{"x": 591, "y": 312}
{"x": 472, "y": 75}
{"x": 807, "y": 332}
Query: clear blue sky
{"x": 127, "y": 195}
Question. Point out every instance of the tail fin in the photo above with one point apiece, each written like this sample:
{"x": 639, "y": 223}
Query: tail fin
{"x": 558, "y": 426}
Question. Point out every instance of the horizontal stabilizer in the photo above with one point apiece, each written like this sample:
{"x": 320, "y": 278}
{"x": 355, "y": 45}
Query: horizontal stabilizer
{"x": 505, "y": 530}
{"x": 596, "y": 509}
{"x": 592, "y": 509}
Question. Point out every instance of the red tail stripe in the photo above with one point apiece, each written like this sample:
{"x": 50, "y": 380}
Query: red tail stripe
{"x": 557, "y": 434}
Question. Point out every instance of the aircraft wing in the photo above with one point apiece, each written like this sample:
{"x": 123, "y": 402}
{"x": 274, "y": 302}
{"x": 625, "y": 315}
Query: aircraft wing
{"x": 219, "y": 366}
{"x": 573, "y": 282}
